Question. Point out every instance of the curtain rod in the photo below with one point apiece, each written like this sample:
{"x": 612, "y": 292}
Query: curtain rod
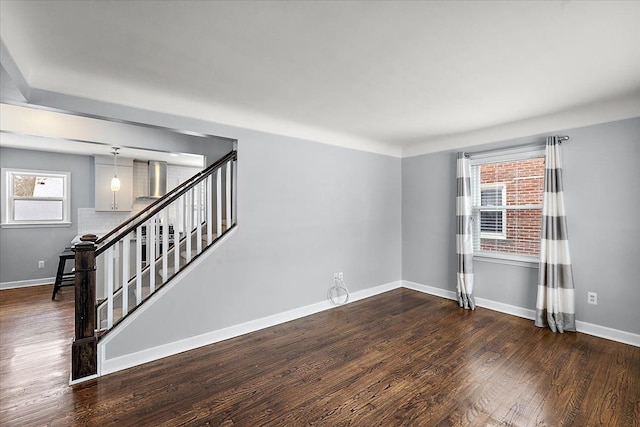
{"x": 531, "y": 145}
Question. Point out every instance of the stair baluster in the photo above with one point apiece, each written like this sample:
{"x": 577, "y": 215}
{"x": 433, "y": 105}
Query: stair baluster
{"x": 122, "y": 287}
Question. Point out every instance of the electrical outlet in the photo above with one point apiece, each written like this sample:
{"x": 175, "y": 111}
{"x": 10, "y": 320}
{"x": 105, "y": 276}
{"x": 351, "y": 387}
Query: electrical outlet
{"x": 335, "y": 277}
{"x": 340, "y": 276}
{"x": 592, "y": 298}
{"x": 40, "y": 264}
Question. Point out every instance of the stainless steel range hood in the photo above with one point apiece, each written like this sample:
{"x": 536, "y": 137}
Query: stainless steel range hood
{"x": 157, "y": 179}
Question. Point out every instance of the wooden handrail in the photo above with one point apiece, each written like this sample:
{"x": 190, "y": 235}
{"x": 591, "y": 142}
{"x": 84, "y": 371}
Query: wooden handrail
{"x": 161, "y": 203}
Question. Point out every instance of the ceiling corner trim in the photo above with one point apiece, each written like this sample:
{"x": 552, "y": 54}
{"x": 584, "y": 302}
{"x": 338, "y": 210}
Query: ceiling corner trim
{"x": 620, "y": 108}
{"x": 329, "y": 137}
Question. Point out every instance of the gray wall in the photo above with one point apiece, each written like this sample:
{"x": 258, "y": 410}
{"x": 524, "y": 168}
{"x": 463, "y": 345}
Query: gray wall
{"x": 305, "y": 210}
{"x": 308, "y": 209}
{"x": 22, "y": 248}
{"x": 315, "y": 210}
{"x": 602, "y": 197}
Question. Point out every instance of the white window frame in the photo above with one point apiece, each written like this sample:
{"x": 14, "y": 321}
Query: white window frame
{"x": 502, "y": 235}
{"x": 8, "y": 199}
{"x": 499, "y": 156}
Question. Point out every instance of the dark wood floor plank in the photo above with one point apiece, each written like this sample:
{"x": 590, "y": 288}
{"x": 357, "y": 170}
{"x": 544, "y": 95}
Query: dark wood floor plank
{"x": 400, "y": 358}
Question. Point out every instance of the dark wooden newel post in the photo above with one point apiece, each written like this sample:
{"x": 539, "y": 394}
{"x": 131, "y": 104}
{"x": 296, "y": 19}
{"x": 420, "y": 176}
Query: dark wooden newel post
{"x": 84, "y": 357}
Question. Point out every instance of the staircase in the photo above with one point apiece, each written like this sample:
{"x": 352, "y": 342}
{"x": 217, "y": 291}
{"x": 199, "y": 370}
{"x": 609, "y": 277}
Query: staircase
{"x": 126, "y": 267}
{"x": 151, "y": 278}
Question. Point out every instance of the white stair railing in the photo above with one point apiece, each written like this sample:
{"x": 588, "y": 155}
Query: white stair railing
{"x": 144, "y": 253}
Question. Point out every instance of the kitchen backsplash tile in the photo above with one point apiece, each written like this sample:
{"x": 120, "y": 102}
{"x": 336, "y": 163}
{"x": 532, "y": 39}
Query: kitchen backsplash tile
{"x": 90, "y": 221}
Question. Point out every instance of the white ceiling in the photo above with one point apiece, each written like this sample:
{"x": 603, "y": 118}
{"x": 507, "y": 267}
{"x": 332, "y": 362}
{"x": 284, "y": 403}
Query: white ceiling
{"x": 41, "y": 143}
{"x": 392, "y": 77}
{"x": 42, "y": 130}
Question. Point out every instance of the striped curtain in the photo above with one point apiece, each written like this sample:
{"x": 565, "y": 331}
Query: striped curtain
{"x": 464, "y": 236}
{"x": 555, "y": 305}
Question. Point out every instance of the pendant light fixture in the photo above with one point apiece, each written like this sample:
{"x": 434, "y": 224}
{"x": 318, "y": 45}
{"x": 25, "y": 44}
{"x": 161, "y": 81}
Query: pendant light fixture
{"x": 115, "y": 181}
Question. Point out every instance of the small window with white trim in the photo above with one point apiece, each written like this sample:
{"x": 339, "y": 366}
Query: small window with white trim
{"x": 33, "y": 198}
{"x": 507, "y": 189}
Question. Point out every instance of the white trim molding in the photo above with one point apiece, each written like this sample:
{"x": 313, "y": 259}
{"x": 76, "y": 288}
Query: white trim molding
{"x": 108, "y": 366}
{"x": 506, "y": 308}
{"x": 26, "y": 283}
{"x": 10, "y": 200}
{"x": 623, "y": 107}
{"x": 608, "y": 333}
{"x": 431, "y": 290}
{"x": 582, "y": 327}
{"x": 81, "y": 380}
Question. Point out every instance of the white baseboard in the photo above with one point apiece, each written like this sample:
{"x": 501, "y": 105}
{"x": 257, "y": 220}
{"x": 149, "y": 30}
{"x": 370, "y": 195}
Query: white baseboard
{"x": 107, "y": 366}
{"x": 431, "y": 290}
{"x": 25, "y": 283}
{"x": 608, "y": 333}
{"x": 81, "y": 380}
{"x": 506, "y": 308}
{"x": 369, "y": 292}
{"x": 583, "y": 327}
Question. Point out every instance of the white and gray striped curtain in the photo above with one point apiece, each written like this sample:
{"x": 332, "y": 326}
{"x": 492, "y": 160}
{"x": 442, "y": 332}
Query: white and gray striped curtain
{"x": 464, "y": 236}
{"x": 555, "y": 306}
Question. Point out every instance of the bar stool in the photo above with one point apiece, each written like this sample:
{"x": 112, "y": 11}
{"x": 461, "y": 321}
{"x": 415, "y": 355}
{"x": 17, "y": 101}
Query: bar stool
{"x": 64, "y": 278}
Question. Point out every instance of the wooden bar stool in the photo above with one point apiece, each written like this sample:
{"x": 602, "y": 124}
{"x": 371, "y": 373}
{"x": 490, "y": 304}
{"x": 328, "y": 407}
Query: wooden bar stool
{"x": 64, "y": 278}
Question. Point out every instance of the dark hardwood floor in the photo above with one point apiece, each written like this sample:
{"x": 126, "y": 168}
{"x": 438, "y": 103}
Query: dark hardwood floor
{"x": 400, "y": 358}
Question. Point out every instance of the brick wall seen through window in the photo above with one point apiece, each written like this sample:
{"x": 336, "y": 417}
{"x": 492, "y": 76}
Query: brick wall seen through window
{"x": 518, "y": 229}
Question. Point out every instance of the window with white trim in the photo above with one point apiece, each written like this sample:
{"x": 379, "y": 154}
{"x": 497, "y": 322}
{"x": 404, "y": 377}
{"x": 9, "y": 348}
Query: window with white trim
{"x": 33, "y": 198}
{"x": 506, "y": 190}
